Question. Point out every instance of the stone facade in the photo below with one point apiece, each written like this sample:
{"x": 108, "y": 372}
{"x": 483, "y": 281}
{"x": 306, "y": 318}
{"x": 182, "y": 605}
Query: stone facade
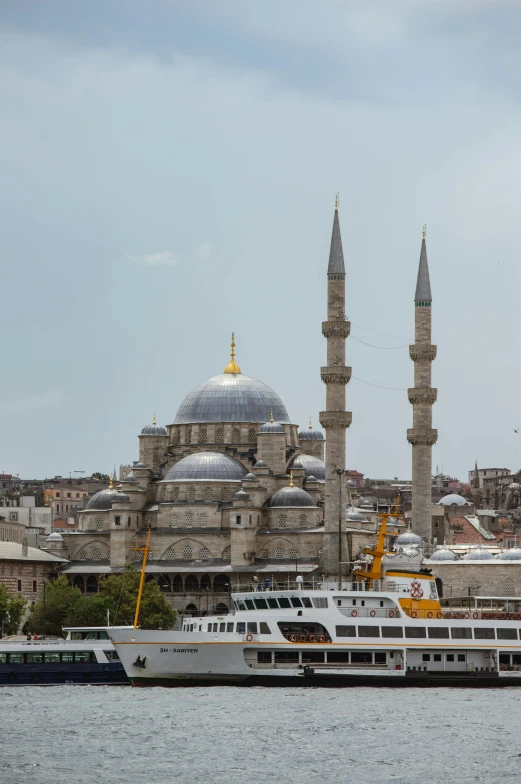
{"x": 485, "y": 578}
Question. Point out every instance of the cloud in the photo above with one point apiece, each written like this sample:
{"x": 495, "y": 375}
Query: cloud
{"x": 164, "y": 257}
{"x": 204, "y": 250}
{"x": 53, "y": 397}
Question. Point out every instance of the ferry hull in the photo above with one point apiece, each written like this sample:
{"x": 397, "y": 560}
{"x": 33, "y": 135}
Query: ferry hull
{"x": 112, "y": 674}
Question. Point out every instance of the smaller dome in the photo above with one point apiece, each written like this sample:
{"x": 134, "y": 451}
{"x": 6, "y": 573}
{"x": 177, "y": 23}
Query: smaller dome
{"x": 291, "y": 496}
{"x": 206, "y": 465}
{"x": 154, "y": 429}
{"x": 410, "y": 551}
{"x": 354, "y": 515}
{"x": 311, "y": 465}
{"x": 478, "y": 555}
{"x": 513, "y": 554}
{"x": 310, "y": 434}
{"x": 297, "y": 463}
{"x": 241, "y": 495}
{"x": 365, "y": 502}
{"x": 103, "y": 499}
{"x": 407, "y": 539}
{"x": 54, "y": 537}
{"x": 271, "y": 427}
{"x": 129, "y": 477}
{"x": 350, "y": 483}
{"x": 250, "y": 477}
{"x": 138, "y": 464}
{"x": 309, "y": 478}
{"x": 453, "y": 499}
{"x": 443, "y": 554}
{"x": 260, "y": 464}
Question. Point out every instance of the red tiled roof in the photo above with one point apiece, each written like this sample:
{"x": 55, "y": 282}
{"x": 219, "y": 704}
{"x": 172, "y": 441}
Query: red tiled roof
{"x": 467, "y": 533}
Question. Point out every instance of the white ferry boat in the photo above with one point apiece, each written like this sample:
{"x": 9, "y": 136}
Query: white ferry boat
{"x": 383, "y": 629}
{"x": 85, "y": 656}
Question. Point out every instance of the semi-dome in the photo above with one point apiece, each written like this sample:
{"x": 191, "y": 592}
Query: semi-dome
{"x": 311, "y": 434}
{"x": 260, "y": 464}
{"x": 250, "y": 477}
{"x": 311, "y": 478}
{"x": 271, "y": 427}
{"x": 129, "y": 477}
{"x": 313, "y": 466}
{"x": 513, "y": 554}
{"x": 291, "y": 496}
{"x": 241, "y": 495}
{"x": 206, "y": 465}
{"x": 407, "y": 539}
{"x": 443, "y": 554}
{"x": 355, "y": 515}
{"x": 154, "y": 429}
{"x": 478, "y": 555}
{"x": 453, "y": 499}
{"x": 54, "y": 537}
{"x": 350, "y": 484}
{"x": 103, "y": 499}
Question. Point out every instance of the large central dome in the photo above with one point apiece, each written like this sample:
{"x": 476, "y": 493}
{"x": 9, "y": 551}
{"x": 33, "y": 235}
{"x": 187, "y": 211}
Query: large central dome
{"x": 231, "y": 397}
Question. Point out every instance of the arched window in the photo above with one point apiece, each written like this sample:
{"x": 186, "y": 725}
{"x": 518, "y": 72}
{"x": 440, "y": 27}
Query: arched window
{"x": 189, "y": 519}
{"x": 188, "y": 435}
{"x": 221, "y": 583}
{"x": 192, "y": 610}
{"x": 187, "y": 552}
{"x": 227, "y": 553}
{"x": 264, "y": 553}
{"x": 207, "y": 495}
{"x": 225, "y": 493}
{"x": 191, "y": 583}
{"x": 279, "y": 552}
{"x": 96, "y": 554}
{"x": 294, "y": 553}
{"x": 190, "y": 496}
{"x": 222, "y": 609}
{"x": 176, "y": 493}
{"x": 204, "y": 554}
{"x": 318, "y": 520}
{"x": 174, "y": 520}
{"x": 203, "y": 434}
{"x": 236, "y": 435}
{"x": 303, "y": 520}
{"x": 170, "y": 554}
{"x": 177, "y": 436}
{"x": 177, "y": 583}
{"x": 99, "y": 523}
{"x": 82, "y": 556}
{"x": 219, "y": 435}
{"x": 57, "y": 507}
{"x": 251, "y": 435}
{"x": 204, "y": 519}
{"x": 283, "y": 519}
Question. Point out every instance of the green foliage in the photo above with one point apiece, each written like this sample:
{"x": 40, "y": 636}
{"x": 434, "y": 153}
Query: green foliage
{"x": 66, "y": 606}
{"x": 100, "y": 476}
{"x": 11, "y": 611}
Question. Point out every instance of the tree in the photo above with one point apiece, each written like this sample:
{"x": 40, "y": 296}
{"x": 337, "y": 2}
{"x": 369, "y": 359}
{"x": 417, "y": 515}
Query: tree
{"x": 11, "y": 612}
{"x": 122, "y": 589}
{"x": 100, "y": 476}
{"x": 51, "y": 613}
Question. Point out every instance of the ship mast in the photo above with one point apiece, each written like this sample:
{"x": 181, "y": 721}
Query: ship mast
{"x": 145, "y": 549}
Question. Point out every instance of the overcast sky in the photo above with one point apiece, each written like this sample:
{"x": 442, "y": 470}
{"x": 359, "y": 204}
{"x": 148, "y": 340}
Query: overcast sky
{"x": 168, "y": 175}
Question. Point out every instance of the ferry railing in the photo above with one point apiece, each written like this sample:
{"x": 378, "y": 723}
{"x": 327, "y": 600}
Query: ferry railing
{"x": 461, "y": 615}
{"x": 369, "y": 612}
{"x": 269, "y": 586}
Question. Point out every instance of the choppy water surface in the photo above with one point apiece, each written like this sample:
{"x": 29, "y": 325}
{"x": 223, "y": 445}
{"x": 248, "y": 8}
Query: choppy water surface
{"x": 110, "y": 735}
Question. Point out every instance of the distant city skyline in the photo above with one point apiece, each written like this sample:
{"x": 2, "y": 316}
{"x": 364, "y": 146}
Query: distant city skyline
{"x": 169, "y": 176}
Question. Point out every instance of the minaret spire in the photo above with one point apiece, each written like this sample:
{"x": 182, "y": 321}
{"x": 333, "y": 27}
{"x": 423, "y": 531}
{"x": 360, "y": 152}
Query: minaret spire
{"x": 335, "y": 419}
{"x": 232, "y": 367}
{"x": 422, "y": 436}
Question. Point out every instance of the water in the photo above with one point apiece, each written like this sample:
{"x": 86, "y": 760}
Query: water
{"x": 111, "y": 735}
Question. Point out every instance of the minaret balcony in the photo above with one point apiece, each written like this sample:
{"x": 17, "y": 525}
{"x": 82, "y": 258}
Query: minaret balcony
{"x": 422, "y": 395}
{"x": 422, "y": 436}
{"x": 335, "y": 375}
{"x": 422, "y": 351}
{"x": 336, "y": 329}
{"x": 335, "y": 419}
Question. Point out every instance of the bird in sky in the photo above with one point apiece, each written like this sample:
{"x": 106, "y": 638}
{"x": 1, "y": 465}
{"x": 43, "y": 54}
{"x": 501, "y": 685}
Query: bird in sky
{"x": 516, "y": 430}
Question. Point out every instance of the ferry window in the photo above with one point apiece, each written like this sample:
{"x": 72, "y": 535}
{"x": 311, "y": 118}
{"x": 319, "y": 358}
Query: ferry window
{"x": 450, "y": 657}
{"x": 264, "y": 628}
{"x": 438, "y": 632}
{"x": 461, "y": 657}
{"x": 346, "y": 631}
{"x": 360, "y": 657}
{"x": 34, "y": 658}
{"x": 76, "y": 636}
{"x": 16, "y": 658}
{"x": 264, "y": 657}
{"x": 229, "y": 627}
{"x": 381, "y": 604}
{"x": 368, "y": 631}
{"x": 295, "y": 601}
{"x": 320, "y": 602}
{"x": 111, "y": 655}
{"x": 241, "y": 628}
{"x": 286, "y": 656}
{"x": 222, "y": 627}
{"x": 215, "y": 627}
{"x": 304, "y": 631}
{"x": 338, "y": 656}
{"x": 3, "y": 658}
{"x": 82, "y": 656}
{"x": 415, "y": 631}
{"x": 339, "y": 602}
{"x": 240, "y": 605}
{"x": 362, "y": 603}
{"x": 249, "y": 604}
{"x": 484, "y": 634}
{"x": 306, "y": 601}
{"x": 312, "y": 657}
{"x": 392, "y": 631}
{"x": 67, "y": 657}
{"x": 380, "y": 658}
{"x": 507, "y": 634}
{"x": 261, "y": 604}
{"x": 91, "y": 636}
{"x": 437, "y": 657}
{"x": 516, "y": 658}
{"x": 284, "y": 603}
{"x": 272, "y": 603}
{"x": 252, "y": 627}
{"x": 353, "y": 602}
{"x": 426, "y": 657}
{"x": 461, "y": 633}
{"x": 504, "y": 658}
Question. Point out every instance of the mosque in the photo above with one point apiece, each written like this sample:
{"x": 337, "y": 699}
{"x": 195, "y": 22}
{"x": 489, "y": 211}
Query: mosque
{"x": 232, "y": 490}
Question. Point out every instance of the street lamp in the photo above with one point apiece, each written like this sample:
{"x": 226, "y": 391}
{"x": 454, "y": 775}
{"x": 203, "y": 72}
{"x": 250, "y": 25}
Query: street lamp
{"x": 341, "y": 473}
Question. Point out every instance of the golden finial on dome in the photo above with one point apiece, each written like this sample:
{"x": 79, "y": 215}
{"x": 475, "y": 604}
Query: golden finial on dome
{"x": 336, "y": 202}
{"x": 111, "y": 486}
{"x": 310, "y": 426}
{"x": 271, "y": 416}
{"x": 424, "y": 231}
{"x": 233, "y": 367}
{"x": 154, "y": 420}
{"x": 291, "y": 478}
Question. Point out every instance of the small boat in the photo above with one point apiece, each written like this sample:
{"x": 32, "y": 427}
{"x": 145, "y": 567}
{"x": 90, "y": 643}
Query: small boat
{"x": 384, "y": 629}
{"x": 86, "y": 656}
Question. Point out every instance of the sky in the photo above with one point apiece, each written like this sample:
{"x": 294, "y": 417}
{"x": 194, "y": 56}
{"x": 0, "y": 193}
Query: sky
{"x": 168, "y": 173}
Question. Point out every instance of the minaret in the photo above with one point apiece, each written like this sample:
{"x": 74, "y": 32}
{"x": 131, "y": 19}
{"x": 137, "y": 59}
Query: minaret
{"x": 422, "y": 396}
{"x": 335, "y": 419}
